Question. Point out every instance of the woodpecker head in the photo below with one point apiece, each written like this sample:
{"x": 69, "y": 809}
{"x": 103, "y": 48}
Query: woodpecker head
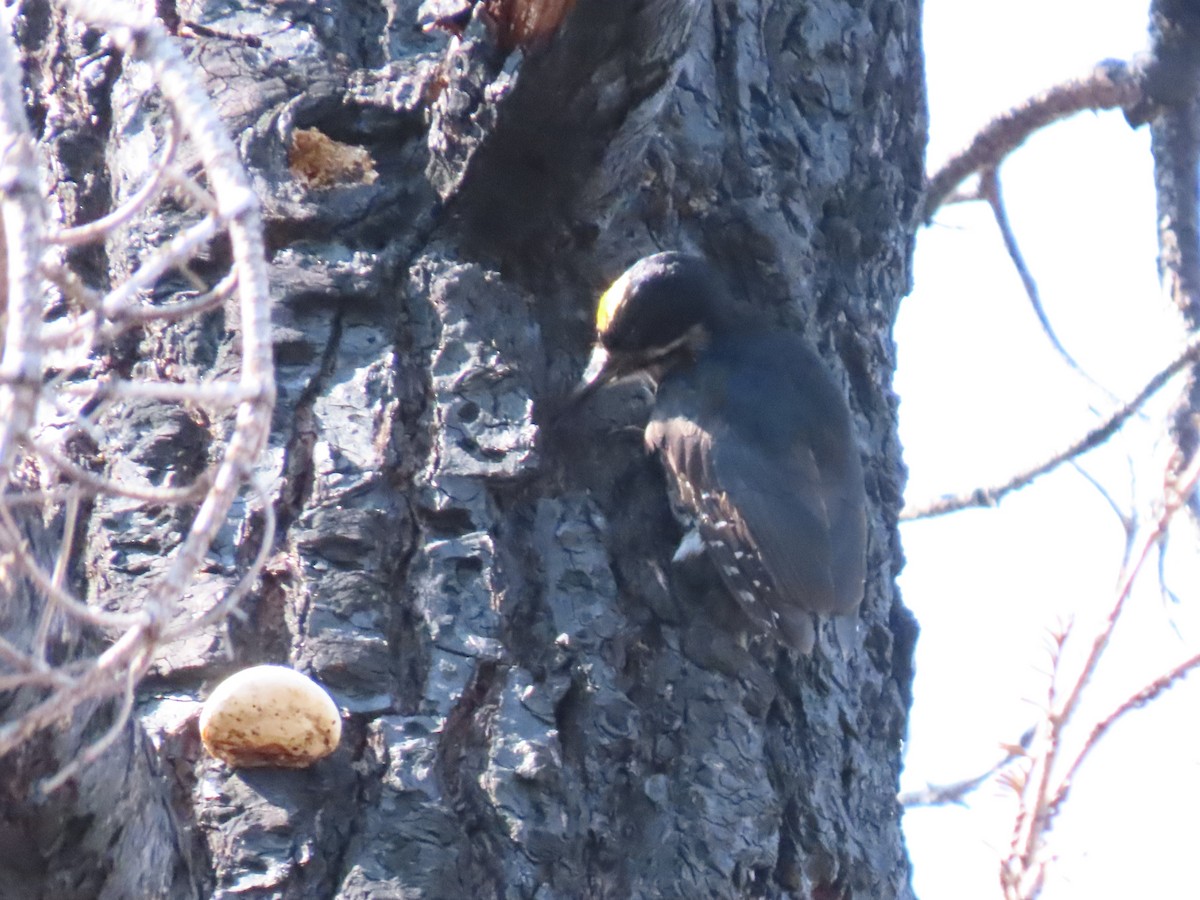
{"x": 660, "y": 313}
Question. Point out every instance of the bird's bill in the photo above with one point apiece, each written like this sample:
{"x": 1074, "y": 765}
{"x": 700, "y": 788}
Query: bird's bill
{"x": 601, "y": 369}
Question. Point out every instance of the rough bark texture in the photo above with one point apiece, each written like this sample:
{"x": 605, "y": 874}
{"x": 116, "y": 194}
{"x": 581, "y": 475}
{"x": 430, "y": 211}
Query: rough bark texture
{"x": 1172, "y": 107}
{"x": 540, "y": 705}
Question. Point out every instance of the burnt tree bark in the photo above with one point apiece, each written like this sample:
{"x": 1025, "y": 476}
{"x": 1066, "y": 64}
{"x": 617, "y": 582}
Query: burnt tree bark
{"x": 539, "y": 705}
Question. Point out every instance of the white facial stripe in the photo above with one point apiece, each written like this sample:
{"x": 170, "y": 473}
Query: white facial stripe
{"x": 693, "y": 337}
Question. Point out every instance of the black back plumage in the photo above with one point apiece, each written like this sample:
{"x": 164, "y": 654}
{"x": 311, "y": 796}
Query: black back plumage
{"x": 756, "y": 440}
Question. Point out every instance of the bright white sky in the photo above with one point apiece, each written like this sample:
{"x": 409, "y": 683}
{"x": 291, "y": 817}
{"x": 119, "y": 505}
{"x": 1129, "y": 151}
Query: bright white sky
{"x": 982, "y": 396}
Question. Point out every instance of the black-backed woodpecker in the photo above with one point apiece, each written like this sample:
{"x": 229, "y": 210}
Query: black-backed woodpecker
{"x": 756, "y": 440}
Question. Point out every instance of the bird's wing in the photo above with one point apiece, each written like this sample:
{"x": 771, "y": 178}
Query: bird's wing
{"x": 808, "y": 522}
{"x": 686, "y": 452}
{"x": 799, "y": 482}
{"x": 787, "y": 541}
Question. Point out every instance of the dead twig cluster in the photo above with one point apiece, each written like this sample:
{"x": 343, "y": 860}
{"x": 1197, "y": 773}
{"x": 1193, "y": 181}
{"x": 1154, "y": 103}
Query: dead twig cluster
{"x": 54, "y": 389}
{"x": 1044, "y": 782}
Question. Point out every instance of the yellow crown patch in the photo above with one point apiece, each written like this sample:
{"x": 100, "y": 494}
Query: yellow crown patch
{"x": 610, "y": 302}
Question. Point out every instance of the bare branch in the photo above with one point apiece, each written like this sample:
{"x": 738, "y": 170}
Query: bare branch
{"x": 161, "y": 261}
{"x": 1111, "y": 85}
{"x": 1182, "y": 489}
{"x": 94, "y": 750}
{"x": 212, "y": 393}
{"x": 70, "y": 522}
{"x": 229, "y": 602}
{"x": 1138, "y": 700}
{"x": 990, "y": 496}
{"x": 24, "y": 218}
{"x": 96, "y": 484}
{"x": 99, "y": 229}
{"x": 10, "y": 536}
{"x": 957, "y": 792}
{"x": 178, "y": 310}
{"x": 71, "y": 396}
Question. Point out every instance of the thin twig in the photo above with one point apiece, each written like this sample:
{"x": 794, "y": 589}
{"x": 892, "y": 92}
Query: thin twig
{"x": 158, "y": 263}
{"x": 70, "y": 522}
{"x": 957, "y": 792}
{"x": 18, "y": 659}
{"x": 10, "y": 537}
{"x": 51, "y": 678}
{"x": 100, "y": 228}
{"x": 1184, "y": 486}
{"x": 991, "y": 192}
{"x": 985, "y": 497}
{"x": 1138, "y": 700}
{"x": 98, "y": 484}
{"x": 1128, "y": 520}
{"x": 97, "y": 681}
{"x": 94, "y": 750}
{"x": 209, "y": 393}
{"x": 78, "y": 294}
{"x": 182, "y": 308}
{"x": 233, "y": 597}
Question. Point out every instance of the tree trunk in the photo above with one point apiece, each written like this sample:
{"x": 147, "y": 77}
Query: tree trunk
{"x": 539, "y": 704}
